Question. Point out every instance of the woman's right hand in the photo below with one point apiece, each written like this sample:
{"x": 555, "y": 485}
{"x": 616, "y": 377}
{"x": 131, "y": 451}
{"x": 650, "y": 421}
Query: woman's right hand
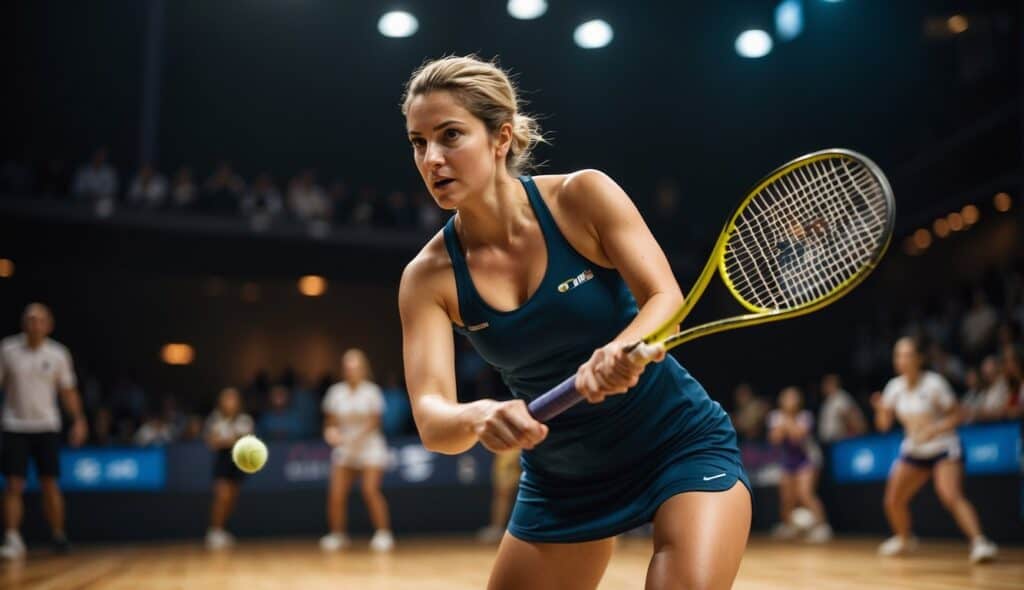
{"x": 509, "y": 425}
{"x": 332, "y": 436}
{"x": 876, "y": 400}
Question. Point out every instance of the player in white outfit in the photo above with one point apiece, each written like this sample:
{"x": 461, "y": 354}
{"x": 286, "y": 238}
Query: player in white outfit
{"x": 352, "y": 415}
{"x": 926, "y": 407}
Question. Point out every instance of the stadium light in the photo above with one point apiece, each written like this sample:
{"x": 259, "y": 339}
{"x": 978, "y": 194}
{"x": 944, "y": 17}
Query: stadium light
{"x": 789, "y": 19}
{"x": 753, "y": 44}
{"x": 6, "y": 268}
{"x": 397, "y": 24}
{"x": 177, "y": 353}
{"x": 312, "y": 285}
{"x": 957, "y": 24}
{"x": 593, "y": 34}
{"x": 1002, "y": 202}
{"x": 527, "y": 9}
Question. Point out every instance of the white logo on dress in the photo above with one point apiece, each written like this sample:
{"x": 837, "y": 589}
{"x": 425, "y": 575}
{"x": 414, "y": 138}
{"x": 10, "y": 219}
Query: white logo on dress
{"x": 706, "y": 478}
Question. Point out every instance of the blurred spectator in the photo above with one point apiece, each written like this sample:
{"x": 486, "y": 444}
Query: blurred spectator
{"x": 397, "y": 417}
{"x": 148, "y": 188}
{"x": 103, "y": 428}
{"x": 978, "y": 326}
{"x": 990, "y": 399}
{"x": 155, "y": 431}
{"x": 394, "y": 212}
{"x": 306, "y": 199}
{"x": 429, "y": 214}
{"x": 341, "y": 204}
{"x": 839, "y": 416}
{"x": 183, "y": 191}
{"x": 362, "y": 209}
{"x": 1013, "y": 373}
{"x": 280, "y": 421}
{"x": 749, "y": 412}
{"x": 222, "y": 192}
{"x": 96, "y": 180}
{"x": 945, "y": 364}
{"x": 262, "y": 202}
{"x": 128, "y": 404}
{"x": 1007, "y": 336}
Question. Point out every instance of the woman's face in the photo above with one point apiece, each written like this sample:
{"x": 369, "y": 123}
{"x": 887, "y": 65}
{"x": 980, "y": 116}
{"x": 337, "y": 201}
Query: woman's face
{"x": 789, "y": 400}
{"x": 353, "y": 368}
{"x": 453, "y": 150}
{"x": 229, "y": 402}
{"x": 905, "y": 358}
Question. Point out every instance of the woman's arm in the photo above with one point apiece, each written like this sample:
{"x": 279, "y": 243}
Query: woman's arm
{"x": 624, "y": 242}
{"x": 883, "y": 414}
{"x": 776, "y": 431}
{"x": 948, "y": 423}
{"x": 445, "y": 425}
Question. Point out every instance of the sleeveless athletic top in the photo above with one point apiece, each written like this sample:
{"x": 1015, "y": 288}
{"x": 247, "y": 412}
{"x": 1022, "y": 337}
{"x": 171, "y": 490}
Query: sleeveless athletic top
{"x": 579, "y": 307}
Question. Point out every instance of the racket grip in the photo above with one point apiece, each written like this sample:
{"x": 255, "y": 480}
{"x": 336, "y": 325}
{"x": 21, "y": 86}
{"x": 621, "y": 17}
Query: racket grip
{"x": 557, "y": 400}
{"x": 645, "y": 353}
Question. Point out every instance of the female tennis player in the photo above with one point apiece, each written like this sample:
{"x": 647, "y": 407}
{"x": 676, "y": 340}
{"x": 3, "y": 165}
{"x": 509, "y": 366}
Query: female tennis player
{"x": 927, "y": 408}
{"x": 550, "y": 276}
{"x": 791, "y": 427}
{"x": 352, "y": 415}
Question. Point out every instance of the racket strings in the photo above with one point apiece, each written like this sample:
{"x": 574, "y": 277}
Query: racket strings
{"x": 800, "y": 228}
{"x": 806, "y": 233}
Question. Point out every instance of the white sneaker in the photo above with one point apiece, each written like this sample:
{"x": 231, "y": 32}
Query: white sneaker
{"x": 784, "y": 531}
{"x": 897, "y": 545}
{"x": 217, "y": 539}
{"x": 489, "y": 535}
{"x": 382, "y": 541}
{"x": 821, "y": 533}
{"x": 13, "y": 547}
{"x": 983, "y": 550}
{"x": 334, "y": 541}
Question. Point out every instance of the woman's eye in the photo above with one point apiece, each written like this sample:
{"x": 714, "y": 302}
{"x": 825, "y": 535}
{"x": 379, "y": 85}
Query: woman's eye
{"x": 417, "y": 142}
{"x": 452, "y": 133}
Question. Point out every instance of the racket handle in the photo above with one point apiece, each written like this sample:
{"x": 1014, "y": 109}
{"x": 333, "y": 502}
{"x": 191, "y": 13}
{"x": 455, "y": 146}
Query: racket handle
{"x": 645, "y": 353}
{"x": 557, "y": 400}
{"x": 564, "y": 395}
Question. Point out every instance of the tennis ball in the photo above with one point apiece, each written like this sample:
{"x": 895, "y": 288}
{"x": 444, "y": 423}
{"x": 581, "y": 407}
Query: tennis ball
{"x": 249, "y": 453}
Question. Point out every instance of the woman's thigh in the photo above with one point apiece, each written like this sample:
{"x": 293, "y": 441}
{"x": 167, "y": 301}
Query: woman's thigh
{"x": 699, "y": 539}
{"x": 554, "y": 566}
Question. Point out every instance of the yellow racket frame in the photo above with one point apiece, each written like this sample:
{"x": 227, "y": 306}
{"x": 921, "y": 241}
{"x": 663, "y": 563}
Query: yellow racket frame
{"x": 668, "y": 334}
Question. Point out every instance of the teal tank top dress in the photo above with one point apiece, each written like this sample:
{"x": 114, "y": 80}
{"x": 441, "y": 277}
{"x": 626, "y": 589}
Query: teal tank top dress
{"x": 604, "y": 468}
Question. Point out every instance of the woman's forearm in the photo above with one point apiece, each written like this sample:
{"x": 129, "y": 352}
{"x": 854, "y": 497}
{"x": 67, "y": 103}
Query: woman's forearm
{"x": 448, "y": 427}
{"x": 653, "y": 313}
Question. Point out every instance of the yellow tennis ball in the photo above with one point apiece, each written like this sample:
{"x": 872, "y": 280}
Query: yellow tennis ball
{"x": 249, "y": 453}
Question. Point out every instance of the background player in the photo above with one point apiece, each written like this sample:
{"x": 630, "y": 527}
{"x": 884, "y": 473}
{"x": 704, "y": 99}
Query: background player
{"x": 352, "y": 418}
{"x": 34, "y": 370}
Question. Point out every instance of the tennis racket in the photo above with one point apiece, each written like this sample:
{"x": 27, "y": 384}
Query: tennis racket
{"x": 806, "y": 235}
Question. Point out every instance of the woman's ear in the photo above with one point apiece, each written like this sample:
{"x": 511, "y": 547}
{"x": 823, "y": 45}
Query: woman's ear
{"x": 503, "y": 140}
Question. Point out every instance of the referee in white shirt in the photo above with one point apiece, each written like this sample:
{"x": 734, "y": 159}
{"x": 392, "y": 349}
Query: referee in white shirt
{"x": 33, "y": 371}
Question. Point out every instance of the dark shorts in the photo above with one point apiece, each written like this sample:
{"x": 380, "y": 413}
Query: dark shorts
{"x": 17, "y": 447}
{"x": 928, "y": 462}
{"x": 224, "y": 467}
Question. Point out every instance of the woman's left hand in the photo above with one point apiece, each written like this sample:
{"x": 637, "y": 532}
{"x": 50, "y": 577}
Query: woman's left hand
{"x": 610, "y": 371}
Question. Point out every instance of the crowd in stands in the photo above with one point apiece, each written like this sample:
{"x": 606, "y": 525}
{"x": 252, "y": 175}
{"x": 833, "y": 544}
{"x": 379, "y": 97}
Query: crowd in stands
{"x": 972, "y": 337}
{"x": 263, "y": 201}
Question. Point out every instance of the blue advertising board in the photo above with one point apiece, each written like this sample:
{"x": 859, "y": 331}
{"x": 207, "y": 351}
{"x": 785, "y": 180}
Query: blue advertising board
{"x": 989, "y": 449}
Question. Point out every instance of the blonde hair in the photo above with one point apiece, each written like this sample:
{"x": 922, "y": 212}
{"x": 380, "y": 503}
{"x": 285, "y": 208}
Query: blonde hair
{"x": 486, "y": 91}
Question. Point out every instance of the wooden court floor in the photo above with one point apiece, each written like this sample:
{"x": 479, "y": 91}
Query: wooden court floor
{"x": 455, "y": 564}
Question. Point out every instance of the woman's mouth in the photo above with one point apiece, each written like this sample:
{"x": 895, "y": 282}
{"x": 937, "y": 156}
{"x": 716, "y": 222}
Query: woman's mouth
{"x": 438, "y": 184}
